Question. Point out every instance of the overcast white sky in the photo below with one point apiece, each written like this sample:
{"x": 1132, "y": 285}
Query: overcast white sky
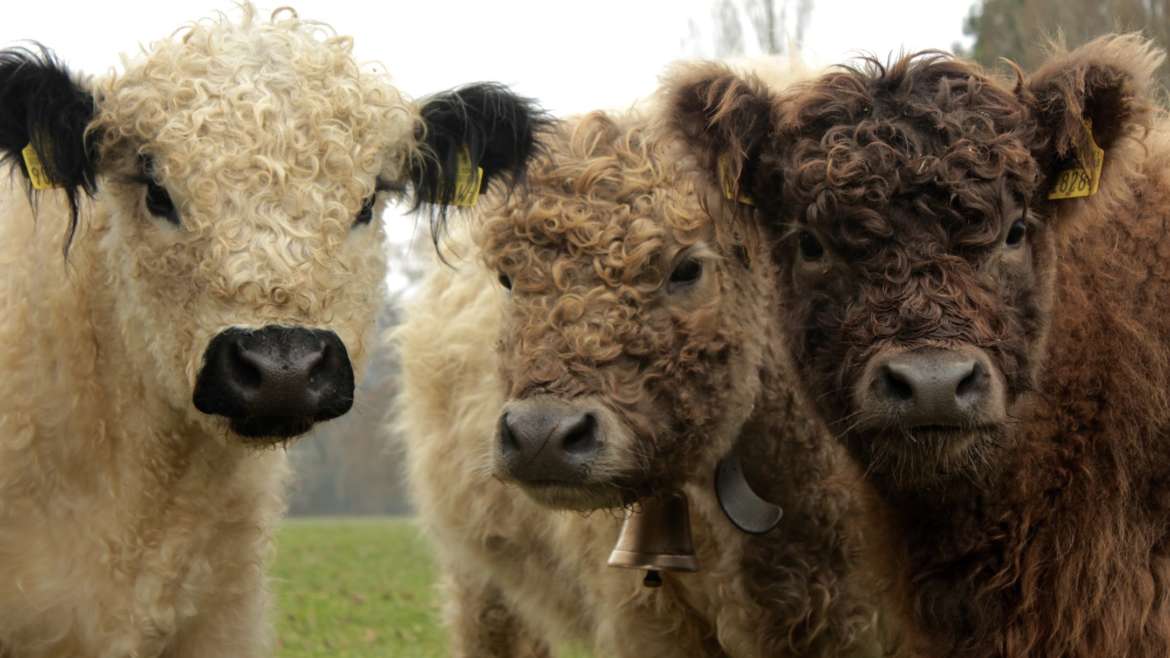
{"x": 573, "y": 56}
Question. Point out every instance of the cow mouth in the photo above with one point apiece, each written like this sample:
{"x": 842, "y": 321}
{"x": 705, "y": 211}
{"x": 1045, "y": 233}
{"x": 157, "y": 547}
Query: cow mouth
{"x": 925, "y": 455}
{"x": 931, "y": 442}
{"x": 271, "y": 429}
{"x": 578, "y": 496}
{"x": 950, "y": 433}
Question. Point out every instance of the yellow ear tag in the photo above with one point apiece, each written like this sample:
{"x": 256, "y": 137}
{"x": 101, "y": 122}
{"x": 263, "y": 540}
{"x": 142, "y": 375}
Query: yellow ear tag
{"x": 1077, "y": 182}
{"x": 36, "y": 171}
{"x": 467, "y": 182}
{"x": 728, "y": 185}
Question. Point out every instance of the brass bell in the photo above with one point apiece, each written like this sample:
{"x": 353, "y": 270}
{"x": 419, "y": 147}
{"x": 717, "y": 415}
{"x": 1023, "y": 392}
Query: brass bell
{"x": 656, "y": 536}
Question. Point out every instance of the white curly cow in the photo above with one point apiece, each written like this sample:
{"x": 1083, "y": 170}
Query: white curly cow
{"x": 216, "y": 296}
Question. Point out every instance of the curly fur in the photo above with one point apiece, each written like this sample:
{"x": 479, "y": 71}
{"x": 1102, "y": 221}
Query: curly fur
{"x": 131, "y": 524}
{"x": 587, "y": 246}
{"x": 1047, "y": 536}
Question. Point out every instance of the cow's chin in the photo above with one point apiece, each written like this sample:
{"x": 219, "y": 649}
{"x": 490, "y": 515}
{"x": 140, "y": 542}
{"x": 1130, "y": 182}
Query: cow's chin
{"x": 927, "y": 459}
{"x": 583, "y": 497}
{"x": 264, "y": 431}
{"x": 257, "y": 432}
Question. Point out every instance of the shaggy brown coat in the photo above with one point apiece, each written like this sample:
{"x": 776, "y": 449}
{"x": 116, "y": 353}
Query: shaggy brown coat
{"x": 893, "y": 192}
{"x": 587, "y": 251}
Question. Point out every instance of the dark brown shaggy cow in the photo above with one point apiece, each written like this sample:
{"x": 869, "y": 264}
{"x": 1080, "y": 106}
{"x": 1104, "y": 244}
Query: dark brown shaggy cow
{"x": 997, "y": 360}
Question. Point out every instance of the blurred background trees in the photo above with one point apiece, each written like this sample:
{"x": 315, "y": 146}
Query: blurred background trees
{"x": 1020, "y": 29}
{"x": 735, "y": 28}
{"x": 353, "y": 465}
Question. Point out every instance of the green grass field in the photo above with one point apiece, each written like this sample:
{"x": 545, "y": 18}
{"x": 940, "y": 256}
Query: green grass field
{"x": 357, "y": 587}
{"x": 349, "y": 588}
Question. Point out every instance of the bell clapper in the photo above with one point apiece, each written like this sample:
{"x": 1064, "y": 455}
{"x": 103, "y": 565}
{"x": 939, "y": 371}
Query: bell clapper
{"x": 653, "y": 579}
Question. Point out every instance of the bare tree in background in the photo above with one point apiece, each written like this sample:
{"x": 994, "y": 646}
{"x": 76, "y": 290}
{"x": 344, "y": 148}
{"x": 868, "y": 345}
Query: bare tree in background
{"x": 351, "y": 465}
{"x": 776, "y": 27}
{"x": 1020, "y": 29}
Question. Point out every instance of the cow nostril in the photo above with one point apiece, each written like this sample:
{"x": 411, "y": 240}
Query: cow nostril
{"x": 319, "y": 364}
{"x": 245, "y": 370}
{"x": 895, "y": 385}
{"x": 581, "y": 435}
{"x": 973, "y": 383}
{"x": 507, "y": 438}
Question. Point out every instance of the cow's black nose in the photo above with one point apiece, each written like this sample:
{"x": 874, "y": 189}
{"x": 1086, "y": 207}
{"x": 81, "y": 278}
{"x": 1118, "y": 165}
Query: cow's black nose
{"x": 546, "y": 441}
{"x": 275, "y": 381}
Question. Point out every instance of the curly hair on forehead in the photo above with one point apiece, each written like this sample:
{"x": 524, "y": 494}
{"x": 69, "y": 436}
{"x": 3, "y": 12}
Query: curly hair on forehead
{"x": 596, "y": 185}
{"x": 586, "y": 241}
{"x": 927, "y": 132}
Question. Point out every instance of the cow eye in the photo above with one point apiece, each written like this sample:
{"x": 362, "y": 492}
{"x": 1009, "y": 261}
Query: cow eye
{"x": 366, "y": 214}
{"x": 505, "y": 281}
{"x": 810, "y": 247}
{"x": 159, "y": 203}
{"x": 685, "y": 273}
{"x": 1016, "y": 233}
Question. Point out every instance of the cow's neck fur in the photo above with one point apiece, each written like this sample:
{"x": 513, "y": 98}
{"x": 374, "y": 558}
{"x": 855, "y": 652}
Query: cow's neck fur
{"x": 1064, "y": 552}
{"x": 109, "y": 487}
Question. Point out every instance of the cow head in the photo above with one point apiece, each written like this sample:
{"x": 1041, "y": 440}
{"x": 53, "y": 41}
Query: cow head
{"x": 237, "y": 173}
{"x": 632, "y": 330}
{"x": 915, "y": 234}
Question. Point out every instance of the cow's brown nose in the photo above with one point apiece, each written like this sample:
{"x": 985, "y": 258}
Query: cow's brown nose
{"x": 275, "y": 381}
{"x": 546, "y": 441}
{"x": 947, "y": 388}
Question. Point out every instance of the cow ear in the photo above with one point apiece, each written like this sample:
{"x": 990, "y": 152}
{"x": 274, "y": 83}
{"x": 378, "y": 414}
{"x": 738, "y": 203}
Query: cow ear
{"x": 724, "y": 119}
{"x": 44, "y": 113}
{"x": 1099, "y": 91}
{"x": 472, "y": 136}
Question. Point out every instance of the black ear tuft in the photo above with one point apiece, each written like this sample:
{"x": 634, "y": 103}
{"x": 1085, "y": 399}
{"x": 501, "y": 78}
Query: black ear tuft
{"x": 41, "y": 104}
{"x": 497, "y": 128}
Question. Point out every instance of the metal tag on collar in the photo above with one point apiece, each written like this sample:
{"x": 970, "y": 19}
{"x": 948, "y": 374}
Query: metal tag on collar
{"x": 743, "y": 506}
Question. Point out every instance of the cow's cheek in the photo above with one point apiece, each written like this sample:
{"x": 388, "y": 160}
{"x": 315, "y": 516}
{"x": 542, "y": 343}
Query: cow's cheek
{"x": 150, "y": 285}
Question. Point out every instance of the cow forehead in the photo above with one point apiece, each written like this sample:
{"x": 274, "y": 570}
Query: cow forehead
{"x": 927, "y": 131}
{"x": 285, "y": 96}
{"x": 604, "y": 199}
{"x": 883, "y": 182}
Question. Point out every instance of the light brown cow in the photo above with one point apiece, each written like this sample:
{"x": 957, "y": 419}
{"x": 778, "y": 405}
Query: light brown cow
{"x": 635, "y": 347}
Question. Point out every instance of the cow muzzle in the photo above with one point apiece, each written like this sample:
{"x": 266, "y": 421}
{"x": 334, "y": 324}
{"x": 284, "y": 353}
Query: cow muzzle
{"x": 565, "y": 454}
{"x": 932, "y": 390}
{"x": 546, "y": 441}
{"x": 275, "y": 382}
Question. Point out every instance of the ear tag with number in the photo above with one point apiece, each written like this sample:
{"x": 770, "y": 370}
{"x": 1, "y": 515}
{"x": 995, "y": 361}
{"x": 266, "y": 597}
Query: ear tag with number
{"x": 728, "y": 185}
{"x": 1077, "y": 182}
{"x": 467, "y": 181}
{"x": 36, "y": 170}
